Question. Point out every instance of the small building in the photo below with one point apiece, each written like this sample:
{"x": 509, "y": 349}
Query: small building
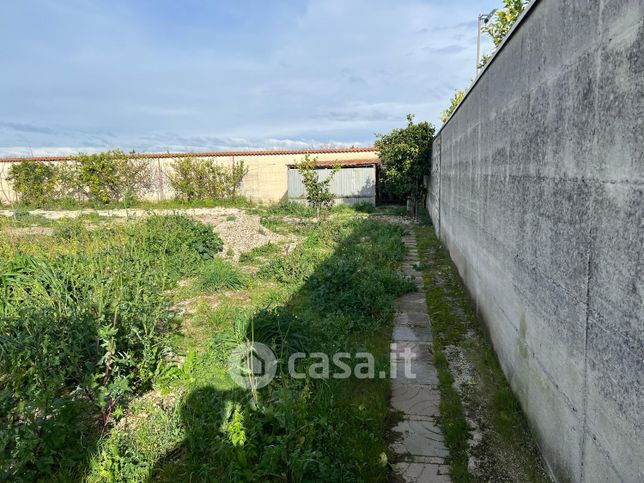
{"x": 354, "y": 183}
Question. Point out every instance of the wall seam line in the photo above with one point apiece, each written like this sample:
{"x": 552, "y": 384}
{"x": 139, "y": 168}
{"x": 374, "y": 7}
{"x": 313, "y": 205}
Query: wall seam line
{"x": 584, "y": 433}
{"x": 440, "y": 185}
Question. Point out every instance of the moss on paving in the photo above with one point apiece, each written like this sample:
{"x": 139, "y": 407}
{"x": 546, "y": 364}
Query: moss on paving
{"x": 507, "y": 451}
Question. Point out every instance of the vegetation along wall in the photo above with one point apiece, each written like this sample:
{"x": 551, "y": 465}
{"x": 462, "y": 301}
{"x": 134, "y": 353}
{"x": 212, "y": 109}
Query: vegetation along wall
{"x": 265, "y": 181}
{"x": 537, "y": 189}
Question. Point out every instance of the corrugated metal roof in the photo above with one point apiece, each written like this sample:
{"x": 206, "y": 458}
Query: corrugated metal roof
{"x": 207, "y": 154}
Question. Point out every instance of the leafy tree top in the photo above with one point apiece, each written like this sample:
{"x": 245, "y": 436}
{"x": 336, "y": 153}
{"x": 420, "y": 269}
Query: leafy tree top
{"x": 504, "y": 19}
{"x": 456, "y": 100}
{"x": 405, "y": 156}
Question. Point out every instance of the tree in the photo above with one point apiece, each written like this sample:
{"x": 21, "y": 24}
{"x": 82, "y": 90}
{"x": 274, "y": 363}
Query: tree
{"x": 204, "y": 179}
{"x": 503, "y": 21}
{"x": 111, "y": 176}
{"x": 318, "y": 193}
{"x": 406, "y": 156}
{"x": 497, "y": 29}
{"x": 456, "y": 100}
{"x": 33, "y": 181}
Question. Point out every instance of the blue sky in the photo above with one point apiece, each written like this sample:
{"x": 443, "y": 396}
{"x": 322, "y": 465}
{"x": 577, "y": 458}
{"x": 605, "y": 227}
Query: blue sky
{"x": 193, "y": 75}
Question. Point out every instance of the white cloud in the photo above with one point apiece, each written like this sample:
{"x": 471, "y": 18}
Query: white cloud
{"x": 151, "y": 74}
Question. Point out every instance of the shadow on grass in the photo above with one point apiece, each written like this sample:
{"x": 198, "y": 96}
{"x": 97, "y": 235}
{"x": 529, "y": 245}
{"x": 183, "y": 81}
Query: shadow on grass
{"x": 302, "y": 429}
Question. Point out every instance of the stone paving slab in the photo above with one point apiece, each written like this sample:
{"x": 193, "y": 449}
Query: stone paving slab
{"x": 419, "y": 372}
{"x": 414, "y": 350}
{"x": 412, "y": 305}
{"x": 410, "y": 271}
{"x": 412, "y": 319}
{"x": 414, "y": 297}
{"x": 419, "y": 446}
{"x": 423, "y": 472}
{"x": 418, "y": 437}
{"x": 416, "y": 334}
{"x": 416, "y": 399}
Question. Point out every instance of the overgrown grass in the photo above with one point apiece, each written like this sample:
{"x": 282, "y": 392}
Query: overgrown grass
{"x": 220, "y": 274}
{"x": 168, "y": 410}
{"x": 508, "y": 440}
{"x": 286, "y": 208}
{"x": 334, "y": 293}
{"x": 259, "y": 253}
{"x": 21, "y": 219}
{"x": 83, "y": 318}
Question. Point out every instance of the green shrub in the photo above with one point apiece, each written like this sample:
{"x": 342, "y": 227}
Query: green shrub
{"x": 100, "y": 178}
{"x": 184, "y": 243}
{"x": 203, "y": 179}
{"x": 292, "y": 268}
{"x": 33, "y": 181}
{"x": 82, "y": 326}
{"x": 318, "y": 191}
{"x": 405, "y": 155}
{"x": 110, "y": 176}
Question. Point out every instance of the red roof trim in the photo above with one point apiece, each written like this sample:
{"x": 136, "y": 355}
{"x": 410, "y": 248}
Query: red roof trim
{"x": 207, "y": 154}
{"x": 344, "y": 163}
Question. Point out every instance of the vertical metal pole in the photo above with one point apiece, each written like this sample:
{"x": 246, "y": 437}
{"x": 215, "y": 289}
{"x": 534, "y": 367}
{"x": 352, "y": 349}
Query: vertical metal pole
{"x": 160, "y": 175}
{"x": 478, "y": 43}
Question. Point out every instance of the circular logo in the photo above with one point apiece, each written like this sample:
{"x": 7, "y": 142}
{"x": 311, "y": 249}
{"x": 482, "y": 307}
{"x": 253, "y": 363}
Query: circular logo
{"x": 252, "y": 365}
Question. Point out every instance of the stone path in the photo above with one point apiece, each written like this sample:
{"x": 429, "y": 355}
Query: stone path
{"x": 419, "y": 444}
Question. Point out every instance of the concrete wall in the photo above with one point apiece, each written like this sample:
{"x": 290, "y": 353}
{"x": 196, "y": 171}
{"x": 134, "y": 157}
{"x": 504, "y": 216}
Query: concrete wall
{"x": 537, "y": 189}
{"x": 266, "y": 181}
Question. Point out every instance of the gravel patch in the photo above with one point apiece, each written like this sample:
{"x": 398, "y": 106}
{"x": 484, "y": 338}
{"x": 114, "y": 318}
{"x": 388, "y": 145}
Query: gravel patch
{"x": 238, "y": 230}
{"x": 464, "y": 378}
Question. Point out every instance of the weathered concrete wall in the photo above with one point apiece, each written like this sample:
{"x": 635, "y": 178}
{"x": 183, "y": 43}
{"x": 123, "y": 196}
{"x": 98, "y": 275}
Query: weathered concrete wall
{"x": 266, "y": 181}
{"x": 538, "y": 192}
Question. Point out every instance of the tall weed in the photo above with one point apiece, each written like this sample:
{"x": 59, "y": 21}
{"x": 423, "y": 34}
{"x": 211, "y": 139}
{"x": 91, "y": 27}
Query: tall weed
{"x": 81, "y": 332}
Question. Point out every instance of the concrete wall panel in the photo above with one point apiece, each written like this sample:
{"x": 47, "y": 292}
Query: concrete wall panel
{"x": 537, "y": 191}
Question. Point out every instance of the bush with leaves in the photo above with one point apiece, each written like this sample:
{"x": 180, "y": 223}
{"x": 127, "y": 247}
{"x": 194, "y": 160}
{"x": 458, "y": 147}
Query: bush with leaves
{"x": 318, "y": 191}
{"x": 111, "y": 176}
{"x": 102, "y": 178}
{"x": 33, "y": 181}
{"x": 204, "y": 179}
{"x": 405, "y": 156}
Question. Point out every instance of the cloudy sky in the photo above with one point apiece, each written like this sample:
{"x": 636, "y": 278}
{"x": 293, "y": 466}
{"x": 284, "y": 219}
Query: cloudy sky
{"x": 191, "y": 75}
